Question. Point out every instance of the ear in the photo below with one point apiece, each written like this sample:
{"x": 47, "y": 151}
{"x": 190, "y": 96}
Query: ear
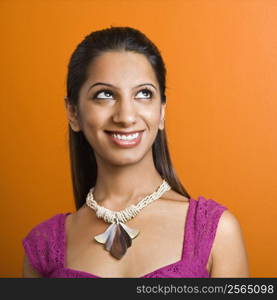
{"x": 72, "y": 114}
{"x": 161, "y": 125}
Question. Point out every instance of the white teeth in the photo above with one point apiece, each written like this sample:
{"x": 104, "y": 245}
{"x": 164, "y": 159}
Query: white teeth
{"x": 126, "y": 137}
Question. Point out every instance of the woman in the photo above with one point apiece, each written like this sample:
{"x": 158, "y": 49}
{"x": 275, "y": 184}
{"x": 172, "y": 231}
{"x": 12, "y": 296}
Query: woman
{"x": 133, "y": 217}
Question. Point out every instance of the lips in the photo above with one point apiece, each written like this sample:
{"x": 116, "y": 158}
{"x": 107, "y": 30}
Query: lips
{"x": 123, "y": 132}
{"x": 125, "y": 143}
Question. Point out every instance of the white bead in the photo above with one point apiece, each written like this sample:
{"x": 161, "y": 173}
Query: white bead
{"x": 129, "y": 212}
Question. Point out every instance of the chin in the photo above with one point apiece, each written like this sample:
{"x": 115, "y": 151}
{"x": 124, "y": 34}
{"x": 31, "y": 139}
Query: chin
{"x": 125, "y": 160}
{"x": 126, "y": 157}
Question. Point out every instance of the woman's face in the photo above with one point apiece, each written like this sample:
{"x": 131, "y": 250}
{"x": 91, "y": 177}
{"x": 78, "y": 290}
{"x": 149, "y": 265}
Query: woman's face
{"x": 121, "y": 94}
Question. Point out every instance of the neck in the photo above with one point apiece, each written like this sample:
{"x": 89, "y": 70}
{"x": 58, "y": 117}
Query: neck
{"x": 120, "y": 186}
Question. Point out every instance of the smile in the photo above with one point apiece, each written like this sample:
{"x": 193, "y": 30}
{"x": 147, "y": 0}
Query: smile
{"x": 125, "y": 140}
{"x": 125, "y": 137}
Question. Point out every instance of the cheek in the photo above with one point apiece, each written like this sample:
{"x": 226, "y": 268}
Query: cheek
{"x": 92, "y": 118}
{"x": 152, "y": 117}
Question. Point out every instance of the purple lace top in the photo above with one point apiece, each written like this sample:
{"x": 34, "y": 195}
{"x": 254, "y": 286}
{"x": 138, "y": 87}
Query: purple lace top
{"x": 45, "y": 245}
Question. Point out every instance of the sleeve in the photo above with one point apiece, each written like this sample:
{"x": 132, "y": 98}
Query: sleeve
{"x": 37, "y": 246}
{"x": 208, "y": 216}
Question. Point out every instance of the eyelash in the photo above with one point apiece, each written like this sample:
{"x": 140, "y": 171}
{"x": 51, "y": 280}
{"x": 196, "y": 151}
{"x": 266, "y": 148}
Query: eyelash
{"x": 110, "y": 92}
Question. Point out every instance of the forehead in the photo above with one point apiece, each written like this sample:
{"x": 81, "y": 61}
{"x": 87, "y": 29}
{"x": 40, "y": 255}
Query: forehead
{"x": 121, "y": 66}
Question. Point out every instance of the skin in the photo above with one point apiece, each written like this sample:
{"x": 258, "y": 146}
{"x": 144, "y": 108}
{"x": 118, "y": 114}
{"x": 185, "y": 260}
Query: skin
{"x": 125, "y": 176}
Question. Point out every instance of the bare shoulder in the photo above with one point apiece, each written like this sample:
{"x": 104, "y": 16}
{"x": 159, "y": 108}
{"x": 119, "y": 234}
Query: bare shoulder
{"x": 74, "y": 217}
{"x": 229, "y": 252}
{"x": 174, "y": 197}
{"x": 28, "y": 270}
{"x": 79, "y": 218}
{"x": 228, "y": 224}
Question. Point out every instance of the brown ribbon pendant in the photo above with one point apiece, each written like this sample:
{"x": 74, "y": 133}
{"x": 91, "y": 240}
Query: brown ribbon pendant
{"x": 117, "y": 239}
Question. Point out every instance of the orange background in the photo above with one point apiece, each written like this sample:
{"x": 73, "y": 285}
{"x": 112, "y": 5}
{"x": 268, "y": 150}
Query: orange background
{"x": 221, "y": 58}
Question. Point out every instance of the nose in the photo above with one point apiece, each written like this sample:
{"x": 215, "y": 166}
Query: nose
{"x": 125, "y": 113}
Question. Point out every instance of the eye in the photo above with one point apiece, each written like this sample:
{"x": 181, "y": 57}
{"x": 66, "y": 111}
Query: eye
{"x": 103, "y": 94}
{"x": 146, "y": 94}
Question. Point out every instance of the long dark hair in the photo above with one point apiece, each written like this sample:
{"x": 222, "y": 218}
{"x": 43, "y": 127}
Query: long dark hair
{"x": 82, "y": 157}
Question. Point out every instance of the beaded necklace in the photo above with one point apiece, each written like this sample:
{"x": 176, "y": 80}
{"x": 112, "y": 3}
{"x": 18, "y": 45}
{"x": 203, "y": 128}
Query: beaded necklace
{"x": 118, "y": 236}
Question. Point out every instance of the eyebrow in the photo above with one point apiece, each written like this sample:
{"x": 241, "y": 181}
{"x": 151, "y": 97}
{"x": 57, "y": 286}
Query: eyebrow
{"x": 108, "y": 84}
